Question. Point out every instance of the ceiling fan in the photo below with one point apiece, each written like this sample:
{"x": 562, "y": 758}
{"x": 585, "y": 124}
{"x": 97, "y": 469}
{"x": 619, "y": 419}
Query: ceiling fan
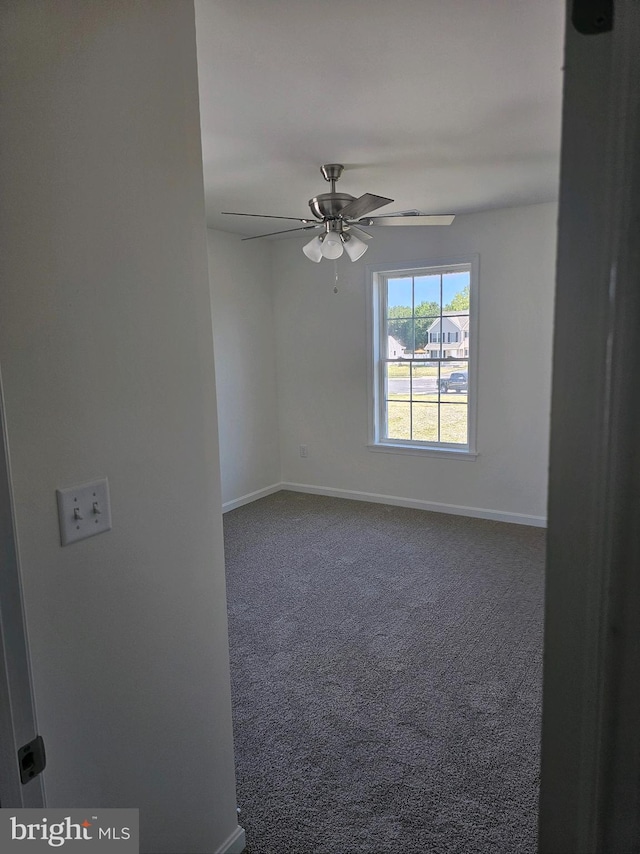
{"x": 341, "y": 217}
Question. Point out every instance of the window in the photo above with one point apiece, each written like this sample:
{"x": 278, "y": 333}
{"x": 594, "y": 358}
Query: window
{"x": 423, "y": 397}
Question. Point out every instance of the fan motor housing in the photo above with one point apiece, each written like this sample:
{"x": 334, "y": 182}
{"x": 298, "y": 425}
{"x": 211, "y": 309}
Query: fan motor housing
{"x": 329, "y": 204}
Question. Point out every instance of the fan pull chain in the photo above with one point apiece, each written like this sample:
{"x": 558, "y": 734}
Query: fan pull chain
{"x": 335, "y": 270}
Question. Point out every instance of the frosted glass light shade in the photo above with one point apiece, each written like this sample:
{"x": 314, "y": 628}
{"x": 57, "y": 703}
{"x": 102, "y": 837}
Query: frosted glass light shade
{"x": 354, "y": 247}
{"x": 332, "y": 245}
{"x": 313, "y": 249}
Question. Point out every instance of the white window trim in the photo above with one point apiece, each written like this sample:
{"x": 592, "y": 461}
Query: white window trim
{"x": 374, "y": 343}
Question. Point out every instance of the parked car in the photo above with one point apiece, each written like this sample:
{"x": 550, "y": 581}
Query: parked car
{"x": 457, "y": 381}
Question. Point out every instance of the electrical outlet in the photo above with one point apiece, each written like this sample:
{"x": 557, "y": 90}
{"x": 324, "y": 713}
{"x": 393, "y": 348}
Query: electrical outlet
{"x": 83, "y": 511}
{"x": 304, "y": 451}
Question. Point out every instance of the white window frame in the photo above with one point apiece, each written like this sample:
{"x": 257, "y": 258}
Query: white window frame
{"x": 376, "y": 279}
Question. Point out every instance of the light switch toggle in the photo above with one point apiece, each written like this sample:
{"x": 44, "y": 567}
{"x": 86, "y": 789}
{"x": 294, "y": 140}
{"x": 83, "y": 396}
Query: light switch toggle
{"x": 83, "y": 511}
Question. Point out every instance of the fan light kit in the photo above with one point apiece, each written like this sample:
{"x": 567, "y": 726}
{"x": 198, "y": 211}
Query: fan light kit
{"x": 340, "y": 216}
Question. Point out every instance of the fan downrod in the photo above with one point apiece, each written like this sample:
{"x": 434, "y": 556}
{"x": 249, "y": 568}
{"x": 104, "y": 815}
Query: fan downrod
{"x": 328, "y": 205}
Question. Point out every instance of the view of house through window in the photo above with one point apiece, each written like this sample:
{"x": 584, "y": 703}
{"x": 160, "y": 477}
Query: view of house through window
{"x": 424, "y": 354}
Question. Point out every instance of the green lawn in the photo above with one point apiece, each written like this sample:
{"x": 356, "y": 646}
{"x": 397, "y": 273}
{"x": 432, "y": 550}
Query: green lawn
{"x": 395, "y": 371}
{"x": 420, "y": 420}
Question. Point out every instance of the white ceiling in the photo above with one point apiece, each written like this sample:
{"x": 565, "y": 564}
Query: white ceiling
{"x": 446, "y": 106}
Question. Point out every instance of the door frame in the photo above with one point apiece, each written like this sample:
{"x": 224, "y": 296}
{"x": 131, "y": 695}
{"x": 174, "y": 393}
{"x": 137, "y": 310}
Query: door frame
{"x": 590, "y": 763}
{"x": 17, "y": 712}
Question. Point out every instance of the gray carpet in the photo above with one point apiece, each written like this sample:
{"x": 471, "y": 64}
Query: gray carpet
{"x": 386, "y": 677}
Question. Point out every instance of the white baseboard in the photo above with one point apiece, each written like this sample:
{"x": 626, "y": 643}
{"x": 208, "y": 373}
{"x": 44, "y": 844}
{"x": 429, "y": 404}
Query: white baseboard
{"x": 251, "y": 496}
{"x": 377, "y": 498}
{"x": 235, "y": 843}
{"x": 455, "y": 509}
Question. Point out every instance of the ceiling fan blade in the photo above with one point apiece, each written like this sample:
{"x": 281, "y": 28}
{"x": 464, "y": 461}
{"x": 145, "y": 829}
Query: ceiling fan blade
{"x": 363, "y": 235}
{"x": 363, "y": 205}
{"x": 268, "y": 216}
{"x": 286, "y": 231}
{"x": 412, "y": 212}
{"x": 407, "y": 220}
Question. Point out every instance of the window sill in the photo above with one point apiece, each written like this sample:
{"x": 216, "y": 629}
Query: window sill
{"x": 417, "y": 450}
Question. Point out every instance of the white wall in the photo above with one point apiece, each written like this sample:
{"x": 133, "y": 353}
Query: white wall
{"x": 244, "y": 345}
{"x": 107, "y": 359}
{"x": 322, "y": 366}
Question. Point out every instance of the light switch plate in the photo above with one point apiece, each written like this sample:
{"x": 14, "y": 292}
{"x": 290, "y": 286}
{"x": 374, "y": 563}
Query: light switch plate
{"x": 83, "y": 511}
